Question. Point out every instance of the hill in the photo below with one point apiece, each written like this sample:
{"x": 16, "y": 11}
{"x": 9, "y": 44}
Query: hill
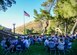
{"x": 37, "y": 26}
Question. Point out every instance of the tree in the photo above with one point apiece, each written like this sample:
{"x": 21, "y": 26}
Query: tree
{"x": 44, "y": 17}
{"x": 4, "y": 4}
{"x": 46, "y": 12}
{"x": 1, "y": 27}
{"x": 29, "y": 31}
{"x": 66, "y": 11}
{"x": 74, "y": 27}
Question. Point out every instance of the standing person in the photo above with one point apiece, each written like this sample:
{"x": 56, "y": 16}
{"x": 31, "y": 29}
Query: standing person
{"x": 20, "y": 45}
{"x": 31, "y": 39}
{"x": 39, "y": 39}
{"x": 61, "y": 46}
{"x": 46, "y": 42}
{"x": 7, "y": 42}
{"x": 76, "y": 35}
{"x": 3, "y": 43}
{"x": 26, "y": 42}
{"x": 51, "y": 44}
{"x": 69, "y": 44}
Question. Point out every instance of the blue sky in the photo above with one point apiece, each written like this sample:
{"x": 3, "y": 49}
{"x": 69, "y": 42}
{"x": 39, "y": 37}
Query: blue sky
{"x": 15, "y": 13}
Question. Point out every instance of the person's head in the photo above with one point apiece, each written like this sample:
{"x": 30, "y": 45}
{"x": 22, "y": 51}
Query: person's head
{"x": 47, "y": 38}
{"x": 61, "y": 40}
{"x": 26, "y": 38}
{"x": 19, "y": 39}
{"x": 60, "y": 35}
{"x": 56, "y": 35}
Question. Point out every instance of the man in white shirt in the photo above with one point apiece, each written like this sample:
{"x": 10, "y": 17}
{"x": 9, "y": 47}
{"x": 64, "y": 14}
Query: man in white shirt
{"x": 3, "y": 42}
{"x": 61, "y": 45}
{"x": 26, "y": 42}
{"x": 46, "y": 42}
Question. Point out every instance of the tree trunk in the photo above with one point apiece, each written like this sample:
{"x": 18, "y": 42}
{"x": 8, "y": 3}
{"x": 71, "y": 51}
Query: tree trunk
{"x": 72, "y": 31}
{"x": 65, "y": 28}
{"x": 46, "y": 24}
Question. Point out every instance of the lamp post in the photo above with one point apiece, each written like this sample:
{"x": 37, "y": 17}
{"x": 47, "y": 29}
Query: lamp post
{"x": 14, "y": 28}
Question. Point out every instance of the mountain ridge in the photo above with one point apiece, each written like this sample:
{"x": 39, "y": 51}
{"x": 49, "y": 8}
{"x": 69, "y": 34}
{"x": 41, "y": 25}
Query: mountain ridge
{"x": 36, "y": 25}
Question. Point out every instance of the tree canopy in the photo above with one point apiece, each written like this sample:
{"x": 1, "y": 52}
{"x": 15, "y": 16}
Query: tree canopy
{"x": 65, "y": 11}
{"x": 4, "y": 4}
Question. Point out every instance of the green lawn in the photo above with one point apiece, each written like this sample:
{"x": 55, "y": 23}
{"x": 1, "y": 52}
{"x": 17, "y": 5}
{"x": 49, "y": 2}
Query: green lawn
{"x": 36, "y": 49}
{"x": 39, "y": 49}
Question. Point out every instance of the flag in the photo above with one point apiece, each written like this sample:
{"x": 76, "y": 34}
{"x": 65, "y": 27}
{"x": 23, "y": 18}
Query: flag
{"x": 26, "y": 14}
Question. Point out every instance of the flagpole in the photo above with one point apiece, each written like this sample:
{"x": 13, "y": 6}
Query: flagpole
{"x": 25, "y": 14}
{"x": 24, "y": 23}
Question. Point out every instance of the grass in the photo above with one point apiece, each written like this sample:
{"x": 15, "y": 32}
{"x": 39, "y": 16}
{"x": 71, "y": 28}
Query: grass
{"x": 39, "y": 49}
{"x": 36, "y": 49}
